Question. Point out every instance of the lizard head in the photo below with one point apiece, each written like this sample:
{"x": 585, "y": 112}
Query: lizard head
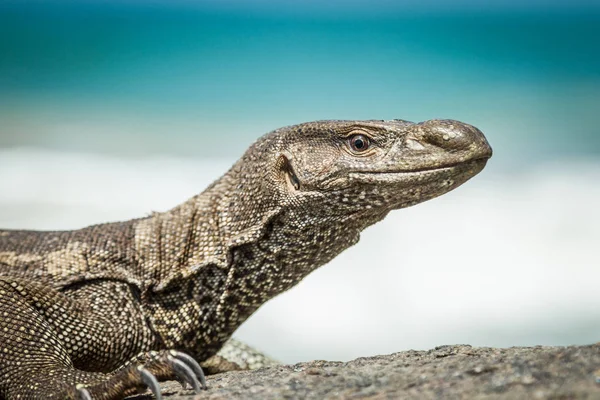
{"x": 307, "y": 191}
{"x": 350, "y": 167}
{"x": 344, "y": 173}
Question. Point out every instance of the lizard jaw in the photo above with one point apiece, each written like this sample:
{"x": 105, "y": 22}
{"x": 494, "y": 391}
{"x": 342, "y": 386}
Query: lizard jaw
{"x": 426, "y": 175}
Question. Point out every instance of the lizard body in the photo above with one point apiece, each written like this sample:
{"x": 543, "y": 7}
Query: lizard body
{"x": 97, "y": 311}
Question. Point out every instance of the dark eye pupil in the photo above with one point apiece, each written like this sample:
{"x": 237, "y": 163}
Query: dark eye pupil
{"x": 359, "y": 143}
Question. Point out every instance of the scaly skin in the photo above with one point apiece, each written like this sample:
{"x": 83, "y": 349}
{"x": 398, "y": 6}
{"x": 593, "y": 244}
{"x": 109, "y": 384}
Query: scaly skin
{"x": 83, "y": 309}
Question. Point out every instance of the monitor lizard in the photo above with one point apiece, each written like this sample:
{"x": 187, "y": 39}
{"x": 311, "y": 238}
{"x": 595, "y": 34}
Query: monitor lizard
{"x": 110, "y": 310}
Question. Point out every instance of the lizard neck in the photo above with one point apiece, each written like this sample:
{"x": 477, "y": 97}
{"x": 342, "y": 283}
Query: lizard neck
{"x": 177, "y": 244}
{"x": 229, "y": 250}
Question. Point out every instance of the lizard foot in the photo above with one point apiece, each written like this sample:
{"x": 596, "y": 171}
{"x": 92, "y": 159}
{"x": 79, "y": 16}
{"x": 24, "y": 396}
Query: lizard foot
{"x": 136, "y": 377}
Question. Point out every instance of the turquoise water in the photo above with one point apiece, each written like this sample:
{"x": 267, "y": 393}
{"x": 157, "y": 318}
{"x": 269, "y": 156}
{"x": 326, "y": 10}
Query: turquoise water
{"x": 204, "y": 81}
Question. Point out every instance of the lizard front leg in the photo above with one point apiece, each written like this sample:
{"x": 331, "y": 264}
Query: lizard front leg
{"x": 58, "y": 345}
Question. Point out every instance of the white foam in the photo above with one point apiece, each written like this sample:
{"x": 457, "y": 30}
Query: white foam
{"x": 507, "y": 259}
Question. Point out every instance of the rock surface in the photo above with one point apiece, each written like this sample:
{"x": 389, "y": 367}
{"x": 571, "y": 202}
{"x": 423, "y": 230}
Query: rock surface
{"x": 446, "y": 372}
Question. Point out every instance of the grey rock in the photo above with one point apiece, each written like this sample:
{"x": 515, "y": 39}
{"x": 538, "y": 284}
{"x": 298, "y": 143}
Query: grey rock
{"x": 446, "y": 372}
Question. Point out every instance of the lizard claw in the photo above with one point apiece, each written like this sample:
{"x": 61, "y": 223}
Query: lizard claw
{"x": 150, "y": 381}
{"x": 162, "y": 365}
{"x": 83, "y": 393}
{"x": 185, "y": 373}
{"x": 193, "y": 367}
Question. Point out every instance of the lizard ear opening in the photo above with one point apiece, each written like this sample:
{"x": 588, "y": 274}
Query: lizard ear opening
{"x": 287, "y": 172}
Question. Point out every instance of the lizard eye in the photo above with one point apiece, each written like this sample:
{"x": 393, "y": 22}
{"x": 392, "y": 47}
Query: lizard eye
{"x": 359, "y": 143}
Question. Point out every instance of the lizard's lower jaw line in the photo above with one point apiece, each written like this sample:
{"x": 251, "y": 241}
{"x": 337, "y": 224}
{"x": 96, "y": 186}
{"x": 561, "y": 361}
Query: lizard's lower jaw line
{"x": 472, "y": 166}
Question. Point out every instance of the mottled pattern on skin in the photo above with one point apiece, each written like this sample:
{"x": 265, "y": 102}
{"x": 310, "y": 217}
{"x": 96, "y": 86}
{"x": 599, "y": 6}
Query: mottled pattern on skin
{"x": 85, "y": 308}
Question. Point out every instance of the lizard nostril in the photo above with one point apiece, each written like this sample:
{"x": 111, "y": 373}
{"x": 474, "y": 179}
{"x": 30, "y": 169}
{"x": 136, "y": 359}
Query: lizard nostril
{"x": 452, "y": 136}
{"x": 414, "y": 144}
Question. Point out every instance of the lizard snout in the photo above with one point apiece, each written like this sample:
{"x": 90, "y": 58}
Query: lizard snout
{"x": 454, "y": 137}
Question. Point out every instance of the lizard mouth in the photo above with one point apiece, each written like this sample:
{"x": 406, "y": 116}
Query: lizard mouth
{"x": 474, "y": 162}
{"x": 470, "y": 167}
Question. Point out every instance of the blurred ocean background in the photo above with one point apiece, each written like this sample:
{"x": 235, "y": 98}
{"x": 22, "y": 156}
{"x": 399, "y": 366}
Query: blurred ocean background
{"x": 109, "y": 110}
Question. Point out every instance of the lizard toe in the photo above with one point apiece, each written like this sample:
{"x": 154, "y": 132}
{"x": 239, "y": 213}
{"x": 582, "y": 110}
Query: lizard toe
{"x": 185, "y": 373}
{"x": 191, "y": 364}
{"x": 150, "y": 381}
